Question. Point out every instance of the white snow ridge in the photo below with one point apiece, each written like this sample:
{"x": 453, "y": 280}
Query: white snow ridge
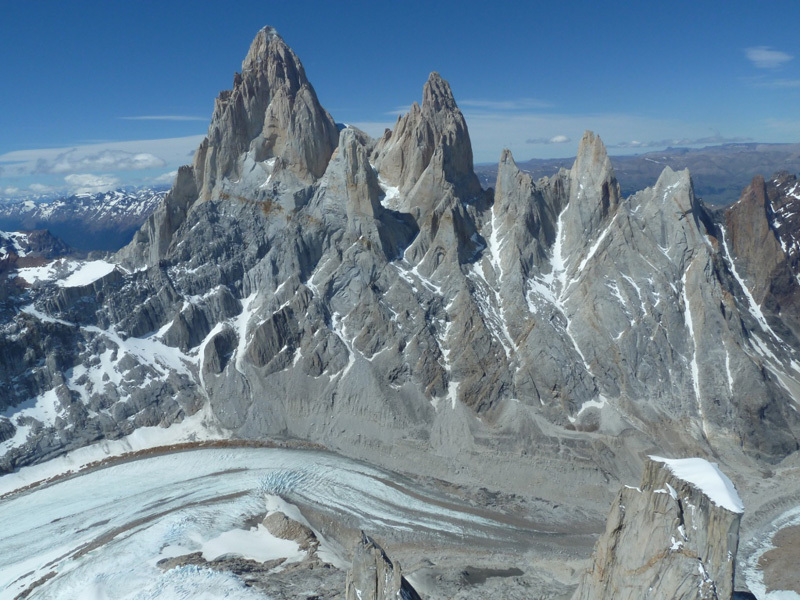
{"x": 708, "y": 478}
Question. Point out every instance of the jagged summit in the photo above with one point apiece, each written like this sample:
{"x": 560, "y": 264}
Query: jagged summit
{"x": 377, "y": 302}
{"x": 593, "y": 187}
{"x": 270, "y": 52}
{"x": 268, "y": 137}
{"x": 272, "y": 112}
{"x": 437, "y": 95}
{"x": 429, "y": 151}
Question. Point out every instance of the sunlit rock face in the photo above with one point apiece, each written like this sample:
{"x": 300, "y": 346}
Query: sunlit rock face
{"x": 675, "y": 536}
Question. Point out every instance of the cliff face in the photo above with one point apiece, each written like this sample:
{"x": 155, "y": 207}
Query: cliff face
{"x": 762, "y": 235}
{"x": 674, "y": 537}
{"x": 375, "y": 576}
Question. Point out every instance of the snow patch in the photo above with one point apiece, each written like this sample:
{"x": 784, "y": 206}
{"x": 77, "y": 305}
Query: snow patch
{"x": 708, "y": 478}
{"x": 255, "y": 544}
{"x": 87, "y": 273}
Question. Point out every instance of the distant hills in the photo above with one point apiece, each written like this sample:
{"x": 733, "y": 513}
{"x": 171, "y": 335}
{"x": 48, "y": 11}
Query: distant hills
{"x": 719, "y": 173}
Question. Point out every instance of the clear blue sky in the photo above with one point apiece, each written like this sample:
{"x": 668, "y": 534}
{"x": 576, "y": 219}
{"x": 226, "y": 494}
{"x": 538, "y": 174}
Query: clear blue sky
{"x": 528, "y": 75}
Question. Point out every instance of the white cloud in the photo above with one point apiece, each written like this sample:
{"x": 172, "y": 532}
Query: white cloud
{"x": 87, "y": 183}
{"x": 490, "y": 132}
{"x": 10, "y": 191}
{"x": 399, "y": 110}
{"x": 107, "y": 156}
{"x": 164, "y": 118}
{"x": 780, "y": 83}
{"x": 764, "y": 57}
{"x": 373, "y": 128}
{"x": 556, "y": 139}
{"x": 108, "y": 160}
{"x": 166, "y": 178}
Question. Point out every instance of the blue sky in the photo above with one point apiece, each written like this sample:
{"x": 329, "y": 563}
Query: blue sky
{"x": 78, "y": 77}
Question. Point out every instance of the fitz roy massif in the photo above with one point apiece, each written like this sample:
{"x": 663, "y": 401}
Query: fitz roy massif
{"x": 351, "y": 356}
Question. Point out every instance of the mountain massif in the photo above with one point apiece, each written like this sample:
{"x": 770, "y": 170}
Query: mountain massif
{"x": 309, "y": 283}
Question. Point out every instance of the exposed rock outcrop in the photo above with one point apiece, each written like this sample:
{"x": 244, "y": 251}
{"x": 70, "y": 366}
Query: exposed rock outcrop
{"x": 375, "y": 576}
{"x": 281, "y": 526}
{"x": 674, "y": 537}
{"x": 428, "y": 152}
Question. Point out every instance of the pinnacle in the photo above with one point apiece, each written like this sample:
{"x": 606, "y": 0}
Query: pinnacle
{"x": 592, "y": 157}
{"x": 267, "y": 43}
{"x": 507, "y": 157}
{"x": 437, "y": 95}
{"x": 592, "y": 144}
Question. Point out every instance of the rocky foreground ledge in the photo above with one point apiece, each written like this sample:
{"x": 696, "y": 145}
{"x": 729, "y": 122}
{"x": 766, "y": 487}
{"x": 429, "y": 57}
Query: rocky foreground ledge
{"x": 675, "y": 536}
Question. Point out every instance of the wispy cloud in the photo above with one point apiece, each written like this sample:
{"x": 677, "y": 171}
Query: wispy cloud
{"x": 556, "y": 139}
{"x": 707, "y": 140}
{"x": 167, "y": 178}
{"x": 398, "y": 111}
{"x": 105, "y": 157}
{"x": 164, "y": 118}
{"x": 505, "y": 105}
{"x": 108, "y": 160}
{"x": 373, "y": 128}
{"x": 39, "y": 188}
{"x": 779, "y": 83}
{"x": 765, "y": 57}
{"x": 480, "y": 106}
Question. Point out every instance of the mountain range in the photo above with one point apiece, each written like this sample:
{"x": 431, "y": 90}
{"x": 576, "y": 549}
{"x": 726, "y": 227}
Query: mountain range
{"x": 719, "y": 173}
{"x": 303, "y": 282}
{"x": 102, "y": 221}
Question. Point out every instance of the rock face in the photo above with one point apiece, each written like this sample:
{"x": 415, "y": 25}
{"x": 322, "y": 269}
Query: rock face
{"x": 368, "y": 296}
{"x": 674, "y": 537}
{"x": 429, "y": 146}
{"x": 761, "y": 230}
{"x": 374, "y": 576}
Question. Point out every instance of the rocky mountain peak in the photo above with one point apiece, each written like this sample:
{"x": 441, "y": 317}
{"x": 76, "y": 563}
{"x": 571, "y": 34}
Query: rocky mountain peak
{"x": 375, "y": 576}
{"x": 270, "y": 54}
{"x": 593, "y": 173}
{"x": 761, "y": 240}
{"x": 751, "y": 238}
{"x": 268, "y": 136}
{"x": 271, "y": 112}
{"x": 593, "y": 193}
{"x": 437, "y": 95}
{"x": 429, "y": 150}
